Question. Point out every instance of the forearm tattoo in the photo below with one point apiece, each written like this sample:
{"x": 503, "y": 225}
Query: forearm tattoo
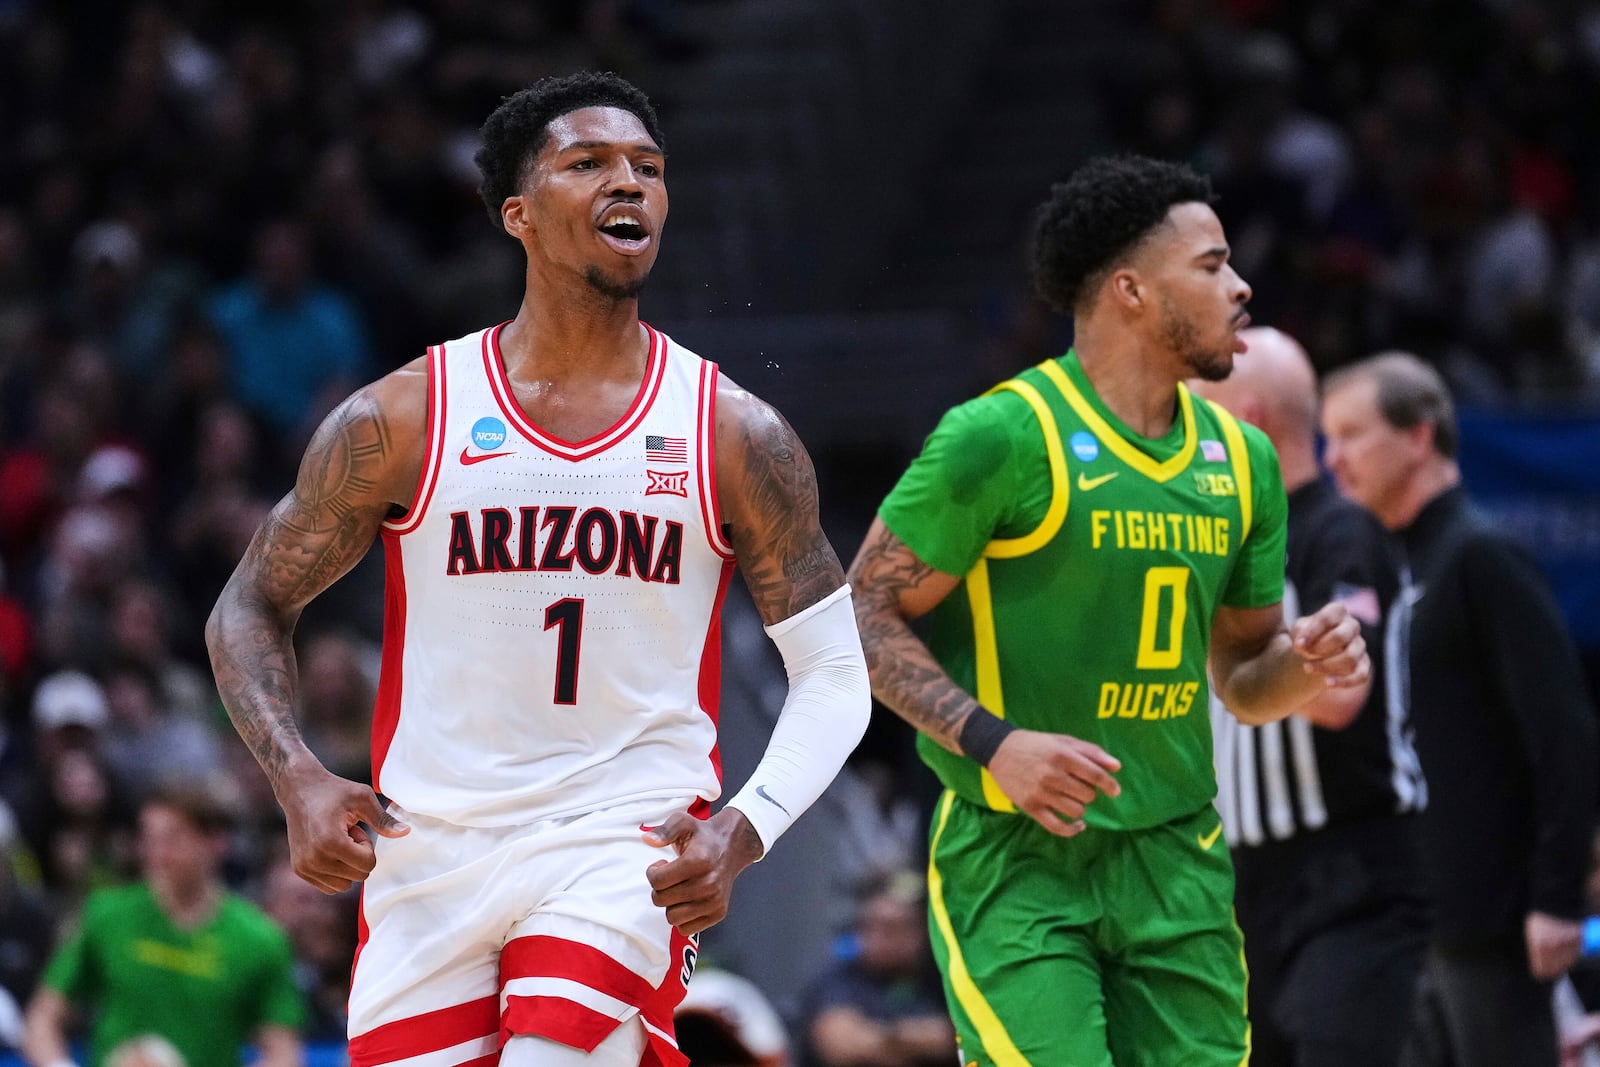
{"x": 905, "y": 676}
{"x": 314, "y": 536}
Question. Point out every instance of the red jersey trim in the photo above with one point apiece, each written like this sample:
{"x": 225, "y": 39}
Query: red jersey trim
{"x": 391, "y": 670}
{"x": 429, "y": 1032}
{"x": 705, "y": 444}
{"x": 363, "y": 934}
{"x": 710, "y": 687}
{"x": 428, "y": 477}
{"x": 649, "y": 386}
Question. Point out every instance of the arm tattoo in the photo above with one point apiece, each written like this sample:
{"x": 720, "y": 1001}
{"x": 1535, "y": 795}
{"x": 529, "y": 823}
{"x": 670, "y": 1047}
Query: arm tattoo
{"x": 787, "y": 562}
{"x": 905, "y": 676}
{"x": 314, "y": 536}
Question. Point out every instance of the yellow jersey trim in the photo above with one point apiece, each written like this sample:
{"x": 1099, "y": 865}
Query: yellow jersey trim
{"x": 986, "y": 649}
{"x": 1244, "y": 969}
{"x": 1159, "y": 472}
{"x": 997, "y": 1042}
{"x": 1240, "y": 457}
{"x": 1060, "y": 486}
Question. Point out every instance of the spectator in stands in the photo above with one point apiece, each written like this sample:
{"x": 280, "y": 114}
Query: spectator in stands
{"x": 143, "y": 623}
{"x": 322, "y": 933}
{"x": 71, "y": 812}
{"x": 123, "y": 304}
{"x": 27, "y": 923}
{"x": 1498, "y": 698}
{"x": 145, "y": 738}
{"x": 146, "y": 957}
{"x": 38, "y": 472}
{"x": 883, "y": 1005}
{"x": 724, "y": 1020}
{"x": 337, "y": 690}
{"x": 296, "y": 347}
{"x": 220, "y": 505}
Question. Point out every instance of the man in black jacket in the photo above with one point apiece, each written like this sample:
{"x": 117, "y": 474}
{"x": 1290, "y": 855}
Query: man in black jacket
{"x": 1320, "y": 808}
{"x": 1504, "y": 728}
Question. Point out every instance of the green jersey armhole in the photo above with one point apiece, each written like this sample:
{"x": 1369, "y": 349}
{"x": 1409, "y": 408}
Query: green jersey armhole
{"x": 1060, "y": 487}
{"x": 1240, "y": 455}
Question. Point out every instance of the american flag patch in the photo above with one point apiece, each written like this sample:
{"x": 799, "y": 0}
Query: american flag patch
{"x": 666, "y": 449}
{"x": 1213, "y": 451}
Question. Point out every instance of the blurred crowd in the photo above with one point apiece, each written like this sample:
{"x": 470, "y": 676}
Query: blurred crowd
{"x": 1419, "y": 174}
{"x": 216, "y": 219}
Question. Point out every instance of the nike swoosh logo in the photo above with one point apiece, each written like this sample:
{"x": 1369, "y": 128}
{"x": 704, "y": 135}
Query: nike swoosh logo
{"x": 1086, "y": 483}
{"x": 467, "y": 460}
{"x": 1209, "y": 839}
{"x": 761, "y": 791}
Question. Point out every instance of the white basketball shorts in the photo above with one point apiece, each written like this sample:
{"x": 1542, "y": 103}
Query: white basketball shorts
{"x": 470, "y": 935}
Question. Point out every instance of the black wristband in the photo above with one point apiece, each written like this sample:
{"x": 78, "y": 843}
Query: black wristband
{"x": 981, "y": 735}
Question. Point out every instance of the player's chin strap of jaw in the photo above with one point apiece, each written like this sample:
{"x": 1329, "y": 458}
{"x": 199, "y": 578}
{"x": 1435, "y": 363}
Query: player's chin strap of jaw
{"x": 822, "y": 720}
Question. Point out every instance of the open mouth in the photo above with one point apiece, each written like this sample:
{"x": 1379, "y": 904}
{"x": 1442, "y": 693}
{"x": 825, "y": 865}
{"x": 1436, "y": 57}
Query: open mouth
{"x": 1240, "y": 345}
{"x": 625, "y": 231}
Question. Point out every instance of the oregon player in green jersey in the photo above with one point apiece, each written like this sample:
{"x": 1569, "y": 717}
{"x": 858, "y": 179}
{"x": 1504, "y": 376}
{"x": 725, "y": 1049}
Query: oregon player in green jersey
{"x": 1090, "y": 538}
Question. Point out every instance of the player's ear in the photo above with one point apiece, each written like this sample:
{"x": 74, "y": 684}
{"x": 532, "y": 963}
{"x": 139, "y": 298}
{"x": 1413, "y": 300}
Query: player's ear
{"x": 1126, "y": 288}
{"x": 514, "y": 217}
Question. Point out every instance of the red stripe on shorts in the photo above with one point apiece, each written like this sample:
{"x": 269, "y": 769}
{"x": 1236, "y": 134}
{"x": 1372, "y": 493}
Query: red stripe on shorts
{"x": 543, "y": 956}
{"x": 658, "y": 1052}
{"x": 428, "y": 1032}
{"x": 557, "y": 1018}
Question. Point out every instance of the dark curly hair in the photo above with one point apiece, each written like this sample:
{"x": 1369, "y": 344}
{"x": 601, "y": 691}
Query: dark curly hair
{"x": 1104, "y": 210}
{"x": 517, "y": 130}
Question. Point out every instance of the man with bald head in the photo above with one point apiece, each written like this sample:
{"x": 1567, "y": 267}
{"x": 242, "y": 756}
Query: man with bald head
{"x": 1319, "y": 808}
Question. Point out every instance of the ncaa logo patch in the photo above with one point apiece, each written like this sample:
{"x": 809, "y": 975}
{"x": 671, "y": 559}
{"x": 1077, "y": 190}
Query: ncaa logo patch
{"x": 1084, "y": 446}
{"x": 488, "y": 432}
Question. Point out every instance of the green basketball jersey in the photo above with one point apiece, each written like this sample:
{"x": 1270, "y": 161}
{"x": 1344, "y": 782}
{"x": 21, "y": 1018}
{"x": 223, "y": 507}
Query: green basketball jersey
{"x": 1094, "y": 560}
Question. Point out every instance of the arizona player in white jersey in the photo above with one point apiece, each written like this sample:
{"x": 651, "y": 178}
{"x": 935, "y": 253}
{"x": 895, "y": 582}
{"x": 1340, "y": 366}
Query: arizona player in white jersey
{"x": 561, "y": 500}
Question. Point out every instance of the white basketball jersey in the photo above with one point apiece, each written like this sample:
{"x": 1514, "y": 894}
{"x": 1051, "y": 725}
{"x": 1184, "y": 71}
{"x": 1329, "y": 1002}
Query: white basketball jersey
{"x": 552, "y": 619}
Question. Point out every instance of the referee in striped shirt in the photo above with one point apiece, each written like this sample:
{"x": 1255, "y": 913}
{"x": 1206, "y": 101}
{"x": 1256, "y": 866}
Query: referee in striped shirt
{"x": 1320, "y": 807}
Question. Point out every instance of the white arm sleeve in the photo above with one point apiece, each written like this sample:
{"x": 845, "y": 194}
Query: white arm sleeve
{"x": 822, "y": 720}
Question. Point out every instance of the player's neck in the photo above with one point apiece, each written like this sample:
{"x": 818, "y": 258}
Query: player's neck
{"x": 588, "y": 335}
{"x": 1142, "y": 392}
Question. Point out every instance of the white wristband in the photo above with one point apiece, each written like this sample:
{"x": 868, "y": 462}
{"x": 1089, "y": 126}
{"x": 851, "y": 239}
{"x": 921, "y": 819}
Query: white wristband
{"x": 822, "y": 720}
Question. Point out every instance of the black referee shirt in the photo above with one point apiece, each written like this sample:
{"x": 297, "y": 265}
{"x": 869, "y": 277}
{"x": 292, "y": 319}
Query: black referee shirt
{"x": 1286, "y": 778}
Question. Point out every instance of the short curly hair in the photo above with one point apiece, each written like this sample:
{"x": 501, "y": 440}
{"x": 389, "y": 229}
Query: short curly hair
{"x": 516, "y": 131}
{"x": 1104, "y": 210}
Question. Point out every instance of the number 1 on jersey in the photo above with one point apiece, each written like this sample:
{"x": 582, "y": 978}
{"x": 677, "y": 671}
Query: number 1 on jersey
{"x": 567, "y": 616}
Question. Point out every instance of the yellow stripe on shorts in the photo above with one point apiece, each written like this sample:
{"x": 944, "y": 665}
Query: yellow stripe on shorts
{"x": 997, "y": 1044}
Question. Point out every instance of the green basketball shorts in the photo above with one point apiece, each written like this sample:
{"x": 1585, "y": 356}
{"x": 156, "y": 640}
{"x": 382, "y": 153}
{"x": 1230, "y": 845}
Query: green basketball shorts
{"x": 1109, "y": 948}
